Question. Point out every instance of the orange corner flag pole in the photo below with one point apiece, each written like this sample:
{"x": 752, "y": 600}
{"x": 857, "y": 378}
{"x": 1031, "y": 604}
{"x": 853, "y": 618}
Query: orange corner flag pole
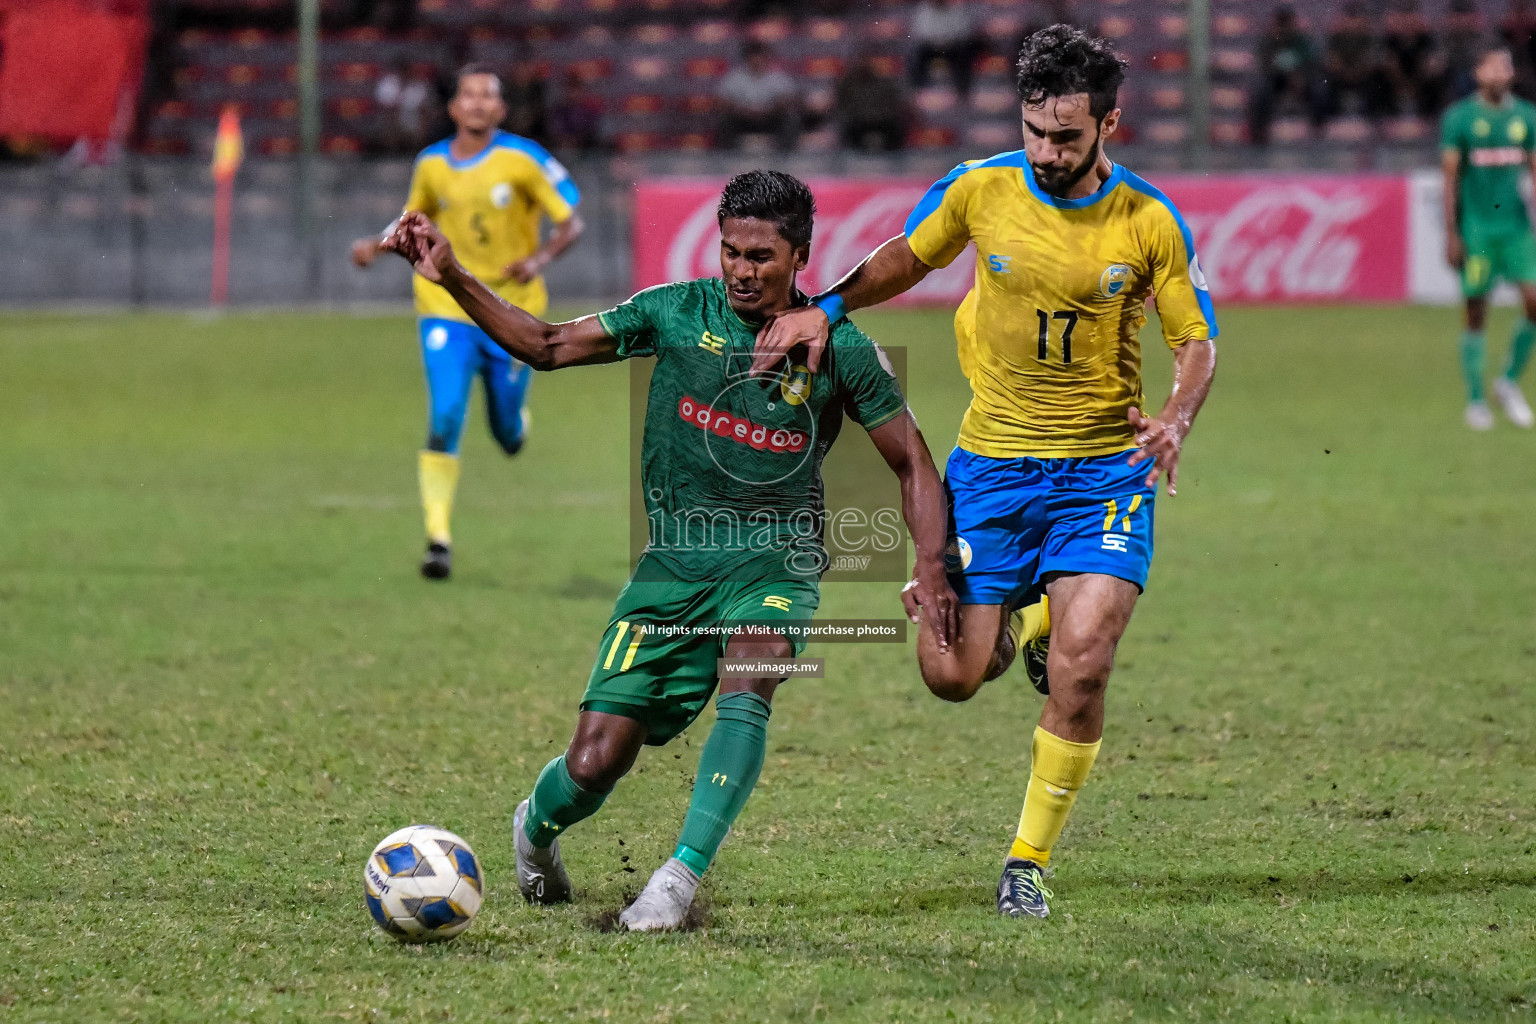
{"x": 228, "y": 151}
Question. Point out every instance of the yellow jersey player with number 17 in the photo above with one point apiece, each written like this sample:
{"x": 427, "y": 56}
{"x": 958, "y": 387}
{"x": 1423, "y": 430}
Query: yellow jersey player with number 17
{"x": 1053, "y": 481}
{"x": 488, "y": 191}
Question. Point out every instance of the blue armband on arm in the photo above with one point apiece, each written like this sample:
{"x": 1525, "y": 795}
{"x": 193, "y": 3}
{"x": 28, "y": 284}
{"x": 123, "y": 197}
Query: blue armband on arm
{"x": 831, "y": 304}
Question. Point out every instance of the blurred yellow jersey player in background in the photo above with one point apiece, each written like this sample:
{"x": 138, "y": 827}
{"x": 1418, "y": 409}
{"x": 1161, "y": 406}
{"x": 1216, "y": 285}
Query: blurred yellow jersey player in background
{"x": 1051, "y": 499}
{"x": 488, "y": 191}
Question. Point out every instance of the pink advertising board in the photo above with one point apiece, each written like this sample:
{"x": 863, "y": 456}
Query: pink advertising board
{"x": 1261, "y": 238}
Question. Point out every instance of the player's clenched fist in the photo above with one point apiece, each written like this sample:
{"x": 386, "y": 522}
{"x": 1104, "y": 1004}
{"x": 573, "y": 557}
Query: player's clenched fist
{"x": 417, "y": 239}
{"x": 807, "y": 326}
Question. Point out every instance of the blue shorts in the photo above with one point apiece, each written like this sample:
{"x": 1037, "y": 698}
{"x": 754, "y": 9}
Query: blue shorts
{"x": 1012, "y": 521}
{"x": 453, "y": 354}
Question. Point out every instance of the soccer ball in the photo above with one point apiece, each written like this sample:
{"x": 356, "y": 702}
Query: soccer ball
{"x": 423, "y": 884}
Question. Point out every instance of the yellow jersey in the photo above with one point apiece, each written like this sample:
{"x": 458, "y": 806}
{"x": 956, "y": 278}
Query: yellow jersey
{"x": 489, "y": 207}
{"x": 1049, "y": 335}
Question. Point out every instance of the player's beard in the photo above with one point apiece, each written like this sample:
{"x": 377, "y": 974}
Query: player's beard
{"x": 1058, "y": 182}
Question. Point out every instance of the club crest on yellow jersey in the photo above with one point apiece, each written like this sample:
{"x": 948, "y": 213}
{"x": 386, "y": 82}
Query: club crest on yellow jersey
{"x": 1112, "y": 281}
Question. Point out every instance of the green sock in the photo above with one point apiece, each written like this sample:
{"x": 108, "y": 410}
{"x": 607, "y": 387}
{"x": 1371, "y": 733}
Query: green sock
{"x": 728, "y": 769}
{"x": 1474, "y": 351}
{"x": 1520, "y": 350}
{"x": 557, "y": 803}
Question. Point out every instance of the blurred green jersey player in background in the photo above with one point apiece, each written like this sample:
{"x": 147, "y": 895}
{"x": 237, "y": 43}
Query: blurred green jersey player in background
{"x": 1488, "y": 143}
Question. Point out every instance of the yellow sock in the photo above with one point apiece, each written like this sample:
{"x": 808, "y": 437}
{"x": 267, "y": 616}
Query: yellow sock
{"x": 1058, "y": 769}
{"x": 439, "y": 474}
{"x": 1031, "y": 622}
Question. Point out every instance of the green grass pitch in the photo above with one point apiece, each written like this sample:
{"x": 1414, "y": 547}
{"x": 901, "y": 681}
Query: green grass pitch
{"x": 221, "y": 682}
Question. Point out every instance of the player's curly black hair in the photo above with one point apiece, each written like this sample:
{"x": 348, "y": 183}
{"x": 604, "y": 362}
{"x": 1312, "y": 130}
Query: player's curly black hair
{"x": 773, "y": 196}
{"x": 1063, "y": 61}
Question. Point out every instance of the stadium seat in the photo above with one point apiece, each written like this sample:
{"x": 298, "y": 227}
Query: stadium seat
{"x": 650, "y": 69}
{"x": 1349, "y": 130}
{"x": 770, "y": 30}
{"x": 822, "y": 67}
{"x": 1168, "y": 97}
{"x": 994, "y": 64}
{"x": 1290, "y": 130}
{"x": 1228, "y": 97}
{"x": 713, "y": 33}
{"x": 935, "y": 100}
{"x": 653, "y": 35}
{"x": 1116, "y": 26}
{"x": 706, "y": 67}
{"x": 641, "y": 103}
{"x": 1231, "y": 26}
{"x": 1168, "y": 132}
{"x": 822, "y": 140}
{"x": 826, "y": 30}
{"x": 930, "y": 137}
{"x": 993, "y": 99}
{"x": 1407, "y": 129}
{"x": 1232, "y": 61}
{"x": 1229, "y": 133}
{"x": 1003, "y": 26}
{"x": 993, "y": 135}
{"x": 637, "y": 142}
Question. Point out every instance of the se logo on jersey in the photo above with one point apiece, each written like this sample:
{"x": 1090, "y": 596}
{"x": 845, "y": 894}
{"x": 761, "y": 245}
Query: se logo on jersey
{"x": 501, "y": 195}
{"x": 999, "y": 264}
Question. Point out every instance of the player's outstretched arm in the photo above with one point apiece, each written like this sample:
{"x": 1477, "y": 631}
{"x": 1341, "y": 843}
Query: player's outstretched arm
{"x": 926, "y": 512}
{"x": 560, "y": 239}
{"x": 365, "y": 249}
{"x": 543, "y": 346}
{"x": 883, "y": 274}
{"x": 1161, "y": 439}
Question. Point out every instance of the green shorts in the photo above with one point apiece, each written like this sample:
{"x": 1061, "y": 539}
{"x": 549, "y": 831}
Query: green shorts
{"x": 1494, "y": 258}
{"x": 662, "y": 679}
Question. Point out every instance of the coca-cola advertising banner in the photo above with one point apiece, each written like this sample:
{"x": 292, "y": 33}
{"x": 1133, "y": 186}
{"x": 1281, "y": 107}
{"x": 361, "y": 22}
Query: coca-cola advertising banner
{"x": 1271, "y": 239}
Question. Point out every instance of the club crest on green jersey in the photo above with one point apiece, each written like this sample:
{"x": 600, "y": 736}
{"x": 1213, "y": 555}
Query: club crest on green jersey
{"x": 796, "y": 385}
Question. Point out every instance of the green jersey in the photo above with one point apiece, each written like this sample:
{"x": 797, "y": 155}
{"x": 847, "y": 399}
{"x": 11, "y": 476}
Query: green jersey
{"x": 731, "y": 463}
{"x": 1494, "y": 143}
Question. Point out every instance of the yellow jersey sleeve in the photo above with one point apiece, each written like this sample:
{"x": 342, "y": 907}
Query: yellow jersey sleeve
{"x": 549, "y": 184}
{"x": 939, "y": 229}
{"x": 1178, "y": 284}
{"x": 423, "y": 196}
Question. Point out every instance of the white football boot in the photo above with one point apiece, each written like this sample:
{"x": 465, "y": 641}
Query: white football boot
{"x": 664, "y": 902}
{"x": 541, "y": 876}
{"x": 1479, "y": 416}
{"x": 1512, "y": 399}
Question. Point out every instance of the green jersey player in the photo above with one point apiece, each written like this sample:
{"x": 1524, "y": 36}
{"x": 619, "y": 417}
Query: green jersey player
{"x": 1488, "y": 142}
{"x": 731, "y": 469}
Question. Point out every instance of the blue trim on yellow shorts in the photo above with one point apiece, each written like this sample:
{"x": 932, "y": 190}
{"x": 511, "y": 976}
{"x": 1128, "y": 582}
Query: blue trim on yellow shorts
{"x": 1013, "y": 521}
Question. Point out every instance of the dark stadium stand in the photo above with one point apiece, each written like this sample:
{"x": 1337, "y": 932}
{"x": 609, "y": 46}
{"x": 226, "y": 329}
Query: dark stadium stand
{"x": 656, "y": 64}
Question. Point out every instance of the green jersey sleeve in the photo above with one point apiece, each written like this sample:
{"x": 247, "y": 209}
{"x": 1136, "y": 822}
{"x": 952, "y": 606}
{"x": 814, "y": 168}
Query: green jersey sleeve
{"x": 1451, "y": 127}
{"x": 1528, "y": 136}
{"x": 636, "y": 323}
{"x": 865, "y": 379}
